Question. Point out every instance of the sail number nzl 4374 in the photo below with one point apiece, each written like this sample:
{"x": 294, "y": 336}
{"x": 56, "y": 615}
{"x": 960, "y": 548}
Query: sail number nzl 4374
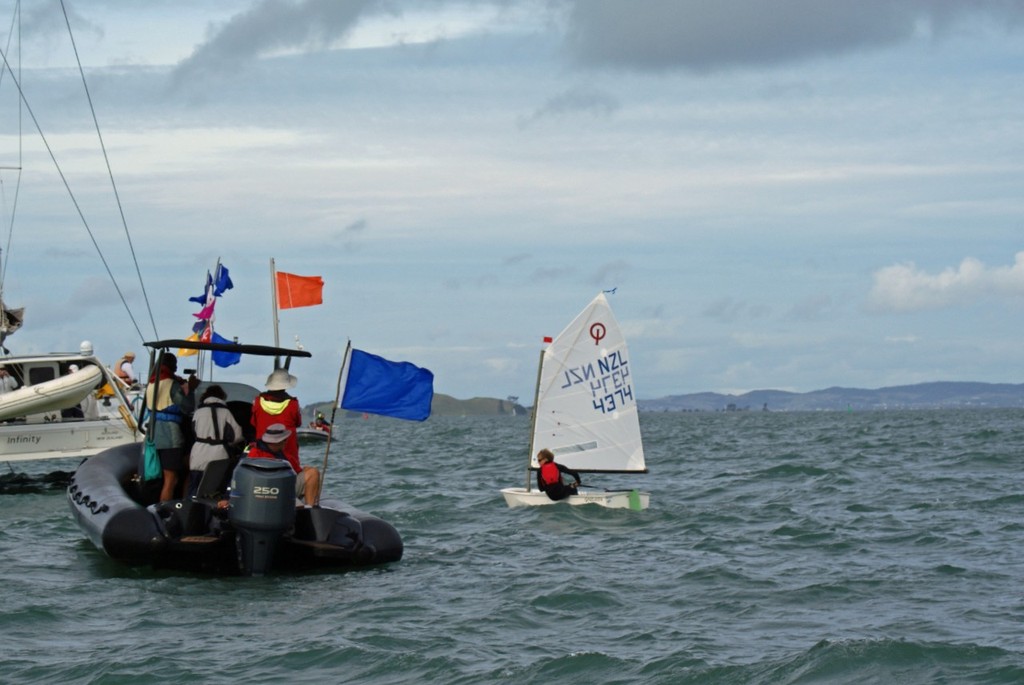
{"x": 608, "y": 380}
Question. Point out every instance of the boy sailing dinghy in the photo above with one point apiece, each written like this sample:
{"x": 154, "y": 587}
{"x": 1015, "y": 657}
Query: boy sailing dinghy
{"x": 585, "y": 411}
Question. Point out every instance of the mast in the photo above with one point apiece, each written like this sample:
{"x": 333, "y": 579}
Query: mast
{"x": 273, "y": 301}
{"x": 533, "y": 421}
{"x": 211, "y": 289}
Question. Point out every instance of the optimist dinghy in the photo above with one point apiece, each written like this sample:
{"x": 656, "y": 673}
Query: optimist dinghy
{"x": 585, "y": 411}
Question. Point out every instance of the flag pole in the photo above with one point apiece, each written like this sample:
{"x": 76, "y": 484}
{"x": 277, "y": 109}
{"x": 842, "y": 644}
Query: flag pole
{"x": 334, "y": 409}
{"x": 273, "y": 301}
{"x": 202, "y": 353}
{"x": 533, "y": 420}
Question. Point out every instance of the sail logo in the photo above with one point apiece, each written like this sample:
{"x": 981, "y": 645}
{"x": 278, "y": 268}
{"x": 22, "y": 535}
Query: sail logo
{"x": 608, "y": 380}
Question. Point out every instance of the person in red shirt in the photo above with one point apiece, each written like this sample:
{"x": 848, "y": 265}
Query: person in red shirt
{"x": 277, "y": 406}
{"x": 272, "y": 445}
{"x": 549, "y": 477}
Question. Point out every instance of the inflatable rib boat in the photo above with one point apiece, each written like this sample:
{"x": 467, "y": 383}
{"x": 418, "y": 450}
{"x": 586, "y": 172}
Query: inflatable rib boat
{"x": 60, "y": 393}
{"x": 244, "y": 519}
{"x": 259, "y": 532}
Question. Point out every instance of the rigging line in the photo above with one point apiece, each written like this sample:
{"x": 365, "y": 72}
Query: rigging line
{"x": 67, "y": 187}
{"x": 15, "y": 21}
{"x": 10, "y": 231}
{"x": 110, "y": 172}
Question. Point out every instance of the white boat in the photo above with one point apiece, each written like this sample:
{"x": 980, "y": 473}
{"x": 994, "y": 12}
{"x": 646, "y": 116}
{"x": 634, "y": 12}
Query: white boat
{"x": 309, "y": 435}
{"x": 65, "y": 404}
{"x": 585, "y": 411}
{"x": 59, "y": 412}
{"x": 63, "y": 392}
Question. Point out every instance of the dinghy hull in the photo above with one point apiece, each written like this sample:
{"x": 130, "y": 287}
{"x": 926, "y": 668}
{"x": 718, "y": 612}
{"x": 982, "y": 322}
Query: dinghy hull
{"x": 60, "y": 393}
{"x": 611, "y": 499}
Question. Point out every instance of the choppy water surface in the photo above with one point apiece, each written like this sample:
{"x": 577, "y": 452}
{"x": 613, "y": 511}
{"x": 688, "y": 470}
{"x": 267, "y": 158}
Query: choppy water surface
{"x": 779, "y": 548}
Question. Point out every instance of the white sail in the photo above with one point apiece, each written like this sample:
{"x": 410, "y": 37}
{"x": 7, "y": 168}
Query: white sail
{"x": 586, "y": 411}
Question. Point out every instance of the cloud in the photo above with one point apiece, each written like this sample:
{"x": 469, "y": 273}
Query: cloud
{"x": 551, "y": 273}
{"x": 812, "y": 308}
{"x": 573, "y": 101}
{"x": 609, "y": 274}
{"x": 905, "y": 288}
{"x": 350, "y": 234}
{"x": 516, "y": 259}
{"x": 728, "y": 310}
{"x": 269, "y": 27}
{"x": 48, "y": 19}
{"x": 704, "y": 36}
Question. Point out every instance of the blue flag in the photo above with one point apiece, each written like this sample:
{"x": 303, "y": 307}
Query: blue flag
{"x": 204, "y": 299}
{"x": 378, "y": 386}
{"x": 224, "y": 359}
{"x": 215, "y": 285}
{"x": 223, "y": 281}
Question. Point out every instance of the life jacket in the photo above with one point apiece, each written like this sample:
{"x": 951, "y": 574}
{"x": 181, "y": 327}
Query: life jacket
{"x": 228, "y": 439}
{"x": 260, "y": 450}
{"x": 273, "y": 408}
{"x": 163, "y": 406}
{"x": 549, "y": 474}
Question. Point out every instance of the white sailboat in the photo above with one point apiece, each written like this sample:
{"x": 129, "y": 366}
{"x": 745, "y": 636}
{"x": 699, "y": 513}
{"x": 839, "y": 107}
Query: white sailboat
{"x": 61, "y": 404}
{"x": 67, "y": 405}
{"x": 585, "y": 411}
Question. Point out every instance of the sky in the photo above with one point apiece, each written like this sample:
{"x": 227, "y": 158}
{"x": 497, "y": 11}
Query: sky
{"x": 790, "y": 195}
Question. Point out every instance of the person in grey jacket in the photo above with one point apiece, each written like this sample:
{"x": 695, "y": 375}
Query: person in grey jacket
{"x": 216, "y": 432}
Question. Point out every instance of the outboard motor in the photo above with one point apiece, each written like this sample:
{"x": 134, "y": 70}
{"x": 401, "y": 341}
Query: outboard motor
{"x": 262, "y": 508}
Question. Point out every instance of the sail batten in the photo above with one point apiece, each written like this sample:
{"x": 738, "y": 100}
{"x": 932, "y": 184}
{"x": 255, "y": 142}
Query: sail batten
{"x": 586, "y": 411}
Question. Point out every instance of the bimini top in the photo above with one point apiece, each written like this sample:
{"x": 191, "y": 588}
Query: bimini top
{"x": 259, "y": 350}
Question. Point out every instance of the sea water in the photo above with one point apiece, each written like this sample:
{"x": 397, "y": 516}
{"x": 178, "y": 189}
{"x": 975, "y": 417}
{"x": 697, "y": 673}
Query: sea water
{"x": 864, "y": 547}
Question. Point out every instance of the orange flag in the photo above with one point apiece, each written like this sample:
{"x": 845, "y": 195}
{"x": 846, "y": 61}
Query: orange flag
{"x": 298, "y": 291}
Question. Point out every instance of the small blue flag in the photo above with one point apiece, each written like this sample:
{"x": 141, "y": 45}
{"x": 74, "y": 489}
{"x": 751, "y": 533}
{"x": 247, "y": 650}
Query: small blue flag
{"x": 223, "y": 281}
{"x": 378, "y": 386}
{"x": 203, "y": 299}
{"x": 224, "y": 359}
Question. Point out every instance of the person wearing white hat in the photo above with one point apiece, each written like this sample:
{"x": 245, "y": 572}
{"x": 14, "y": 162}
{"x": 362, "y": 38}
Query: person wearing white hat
{"x": 277, "y": 406}
{"x": 271, "y": 445}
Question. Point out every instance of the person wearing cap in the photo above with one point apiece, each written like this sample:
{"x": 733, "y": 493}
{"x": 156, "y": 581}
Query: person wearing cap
{"x": 277, "y": 406}
{"x": 549, "y": 477}
{"x": 272, "y": 444}
{"x": 170, "y": 399}
{"x": 123, "y": 368}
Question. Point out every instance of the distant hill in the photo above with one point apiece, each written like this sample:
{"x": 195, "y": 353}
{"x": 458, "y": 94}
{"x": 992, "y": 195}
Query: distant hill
{"x": 442, "y": 405}
{"x": 920, "y": 396}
